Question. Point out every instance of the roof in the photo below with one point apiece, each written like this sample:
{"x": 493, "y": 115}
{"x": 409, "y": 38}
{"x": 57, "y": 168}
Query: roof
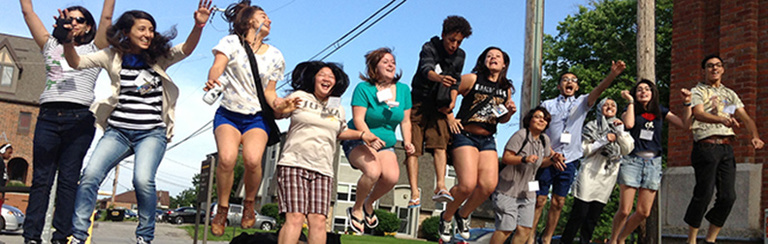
{"x": 130, "y": 197}
{"x": 26, "y": 54}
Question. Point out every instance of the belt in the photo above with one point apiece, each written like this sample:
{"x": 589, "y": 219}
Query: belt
{"x": 716, "y": 140}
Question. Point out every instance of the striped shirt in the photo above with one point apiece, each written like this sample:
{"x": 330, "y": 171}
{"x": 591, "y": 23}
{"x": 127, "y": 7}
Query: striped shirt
{"x": 140, "y": 103}
{"x": 62, "y": 82}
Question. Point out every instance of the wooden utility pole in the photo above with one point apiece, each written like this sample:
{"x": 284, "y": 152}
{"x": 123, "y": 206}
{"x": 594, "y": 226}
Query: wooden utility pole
{"x": 114, "y": 186}
{"x": 646, "y": 61}
{"x": 534, "y": 31}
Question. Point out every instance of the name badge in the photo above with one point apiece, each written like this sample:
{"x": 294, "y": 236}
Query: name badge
{"x": 499, "y": 110}
{"x": 565, "y": 138}
{"x": 438, "y": 69}
{"x": 333, "y": 102}
{"x": 145, "y": 82}
{"x": 646, "y": 135}
{"x": 730, "y": 109}
{"x": 533, "y": 185}
{"x": 393, "y": 104}
{"x": 384, "y": 95}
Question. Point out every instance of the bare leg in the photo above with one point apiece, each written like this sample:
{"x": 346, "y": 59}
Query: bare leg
{"x": 227, "y": 143}
{"x": 522, "y": 235}
{"x": 466, "y": 163}
{"x": 316, "y": 228}
{"x": 713, "y": 232}
{"x": 499, "y": 236}
{"x": 441, "y": 159}
{"x": 412, "y": 166}
{"x": 626, "y": 200}
{"x": 553, "y": 215}
{"x": 487, "y": 178}
{"x": 541, "y": 201}
{"x": 693, "y": 233}
{"x": 291, "y": 230}
{"x": 644, "y": 204}
{"x": 387, "y": 180}
{"x": 365, "y": 159}
{"x": 254, "y": 143}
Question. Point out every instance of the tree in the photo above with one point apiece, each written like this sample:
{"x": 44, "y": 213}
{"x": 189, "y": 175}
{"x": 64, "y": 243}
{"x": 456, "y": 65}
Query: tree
{"x": 585, "y": 45}
{"x": 188, "y": 197}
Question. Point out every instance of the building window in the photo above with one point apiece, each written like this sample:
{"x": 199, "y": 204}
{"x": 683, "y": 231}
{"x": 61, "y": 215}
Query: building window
{"x": 25, "y": 122}
{"x": 450, "y": 172}
{"x": 339, "y": 224}
{"x": 346, "y": 192}
{"x": 6, "y": 77}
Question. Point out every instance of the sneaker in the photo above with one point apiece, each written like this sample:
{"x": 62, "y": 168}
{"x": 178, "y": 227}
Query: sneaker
{"x": 444, "y": 229}
{"x": 140, "y": 240}
{"x": 31, "y": 242}
{"x": 463, "y": 225}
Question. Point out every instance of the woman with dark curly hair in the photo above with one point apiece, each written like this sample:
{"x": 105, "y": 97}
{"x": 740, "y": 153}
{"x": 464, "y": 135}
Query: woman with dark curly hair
{"x": 138, "y": 117}
{"x": 245, "y": 116}
{"x": 305, "y": 170}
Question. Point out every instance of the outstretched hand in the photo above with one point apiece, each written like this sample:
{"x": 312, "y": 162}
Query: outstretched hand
{"x": 288, "y": 105}
{"x": 203, "y": 12}
{"x": 686, "y": 95}
{"x": 757, "y": 143}
{"x": 625, "y": 94}
{"x": 617, "y": 67}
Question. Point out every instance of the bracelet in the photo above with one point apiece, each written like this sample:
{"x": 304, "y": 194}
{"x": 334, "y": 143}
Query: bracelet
{"x": 201, "y": 25}
{"x": 524, "y": 159}
{"x": 687, "y": 104}
{"x": 361, "y": 135}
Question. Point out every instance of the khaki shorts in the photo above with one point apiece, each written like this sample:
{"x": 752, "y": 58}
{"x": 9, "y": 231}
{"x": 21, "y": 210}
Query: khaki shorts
{"x": 429, "y": 129}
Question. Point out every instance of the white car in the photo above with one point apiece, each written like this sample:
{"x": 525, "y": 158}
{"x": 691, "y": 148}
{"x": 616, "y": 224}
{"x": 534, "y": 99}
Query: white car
{"x": 11, "y": 218}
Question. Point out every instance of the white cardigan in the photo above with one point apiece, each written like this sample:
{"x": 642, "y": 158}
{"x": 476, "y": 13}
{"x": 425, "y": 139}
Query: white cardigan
{"x": 595, "y": 181}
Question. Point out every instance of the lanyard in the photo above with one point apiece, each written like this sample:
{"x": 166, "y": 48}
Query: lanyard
{"x": 569, "y": 112}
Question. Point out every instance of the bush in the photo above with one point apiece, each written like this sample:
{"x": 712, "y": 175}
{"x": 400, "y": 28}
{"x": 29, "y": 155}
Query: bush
{"x": 271, "y": 210}
{"x": 430, "y": 229}
{"x": 388, "y": 222}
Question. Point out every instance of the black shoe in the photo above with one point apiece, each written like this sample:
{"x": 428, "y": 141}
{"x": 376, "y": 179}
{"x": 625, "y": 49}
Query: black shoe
{"x": 444, "y": 227}
{"x": 462, "y": 224}
{"x": 32, "y": 242}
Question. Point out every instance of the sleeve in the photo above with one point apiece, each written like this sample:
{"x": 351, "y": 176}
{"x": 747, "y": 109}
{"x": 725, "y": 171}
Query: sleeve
{"x": 51, "y": 43}
{"x": 427, "y": 59}
{"x": 457, "y": 68}
{"x": 227, "y": 46}
{"x": 278, "y": 66}
{"x": 626, "y": 143}
{"x": 547, "y": 151}
{"x": 359, "y": 97}
{"x": 697, "y": 96}
{"x": 97, "y": 59}
{"x": 735, "y": 100}
{"x": 342, "y": 121}
{"x": 292, "y": 95}
{"x": 664, "y": 111}
{"x": 515, "y": 141}
{"x": 175, "y": 55}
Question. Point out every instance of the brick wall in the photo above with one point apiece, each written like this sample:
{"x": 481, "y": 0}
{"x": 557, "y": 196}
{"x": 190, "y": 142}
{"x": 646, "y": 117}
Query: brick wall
{"x": 738, "y": 32}
{"x": 22, "y": 143}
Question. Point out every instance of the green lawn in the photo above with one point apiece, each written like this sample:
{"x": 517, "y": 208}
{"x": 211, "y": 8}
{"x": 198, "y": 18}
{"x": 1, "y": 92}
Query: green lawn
{"x": 345, "y": 239}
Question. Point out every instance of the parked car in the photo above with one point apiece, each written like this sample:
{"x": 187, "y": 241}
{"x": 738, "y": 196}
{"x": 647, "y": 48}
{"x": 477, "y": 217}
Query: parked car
{"x": 183, "y": 215}
{"x": 159, "y": 215}
{"x": 476, "y": 235}
{"x": 11, "y": 218}
{"x": 235, "y": 215}
{"x": 130, "y": 214}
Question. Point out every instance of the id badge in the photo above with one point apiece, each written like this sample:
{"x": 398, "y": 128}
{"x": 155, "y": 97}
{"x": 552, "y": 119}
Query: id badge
{"x": 144, "y": 82}
{"x": 499, "y": 110}
{"x": 646, "y": 135}
{"x": 438, "y": 69}
{"x": 565, "y": 138}
{"x": 730, "y": 109}
{"x": 393, "y": 104}
{"x": 533, "y": 185}
{"x": 384, "y": 95}
{"x": 333, "y": 102}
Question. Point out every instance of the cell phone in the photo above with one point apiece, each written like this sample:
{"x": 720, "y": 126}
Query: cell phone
{"x": 61, "y": 33}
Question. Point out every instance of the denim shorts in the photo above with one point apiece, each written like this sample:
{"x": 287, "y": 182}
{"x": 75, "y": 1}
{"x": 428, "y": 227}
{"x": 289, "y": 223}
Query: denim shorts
{"x": 349, "y": 145}
{"x": 241, "y": 122}
{"x": 482, "y": 143}
{"x": 640, "y": 172}
{"x": 560, "y": 181}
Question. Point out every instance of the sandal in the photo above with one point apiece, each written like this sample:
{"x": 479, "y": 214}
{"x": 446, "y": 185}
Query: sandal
{"x": 355, "y": 222}
{"x": 442, "y": 195}
{"x": 414, "y": 203}
{"x": 371, "y": 221}
{"x": 219, "y": 222}
{"x": 249, "y": 214}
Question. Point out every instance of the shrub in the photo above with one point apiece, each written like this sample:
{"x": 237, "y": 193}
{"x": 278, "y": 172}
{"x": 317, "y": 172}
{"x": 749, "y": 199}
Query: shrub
{"x": 430, "y": 229}
{"x": 388, "y": 222}
{"x": 271, "y": 210}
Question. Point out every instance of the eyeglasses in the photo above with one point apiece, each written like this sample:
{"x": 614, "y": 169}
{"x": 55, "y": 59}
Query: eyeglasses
{"x": 715, "y": 65}
{"x": 80, "y": 20}
{"x": 574, "y": 80}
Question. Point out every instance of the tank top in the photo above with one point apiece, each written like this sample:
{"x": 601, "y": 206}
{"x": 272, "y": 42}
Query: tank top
{"x": 484, "y": 116}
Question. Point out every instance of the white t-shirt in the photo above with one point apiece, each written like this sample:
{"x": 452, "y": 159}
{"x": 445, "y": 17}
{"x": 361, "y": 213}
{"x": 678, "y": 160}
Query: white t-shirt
{"x": 62, "y": 82}
{"x": 311, "y": 139}
{"x": 240, "y": 93}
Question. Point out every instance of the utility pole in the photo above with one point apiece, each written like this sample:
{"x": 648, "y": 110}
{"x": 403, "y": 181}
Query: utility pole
{"x": 646, "y": 61}
{"x": 534, "y": 29}
{"x": 114, "y": 186}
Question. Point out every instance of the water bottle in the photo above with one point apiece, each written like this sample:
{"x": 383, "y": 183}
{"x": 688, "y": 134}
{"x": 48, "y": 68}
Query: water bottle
{"x": 213, "y": 94}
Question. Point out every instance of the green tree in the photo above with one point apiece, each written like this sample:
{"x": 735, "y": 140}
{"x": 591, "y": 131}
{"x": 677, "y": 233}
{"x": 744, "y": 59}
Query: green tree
{"x": 586, "y": 43}
{"x": 188, "y": 197}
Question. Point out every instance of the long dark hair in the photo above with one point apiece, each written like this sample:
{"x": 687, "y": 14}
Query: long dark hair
{"x": 89, "y": 21}
{"x": 529, "y": 116}
{"x": 372, "y": 59}
{"x": 481, "y": 70}
{"x": 239, "y": 16}
{"x": 653, "y": 104}
{"x": 304, "y": 77}
{"x": 160, "y": 45}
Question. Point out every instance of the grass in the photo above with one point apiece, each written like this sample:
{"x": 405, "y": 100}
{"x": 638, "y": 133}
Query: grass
{"x": 345, "y": 239}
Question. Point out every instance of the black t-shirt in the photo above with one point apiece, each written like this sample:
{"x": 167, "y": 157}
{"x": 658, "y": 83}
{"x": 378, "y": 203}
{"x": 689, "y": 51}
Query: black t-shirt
{"x": 484, "y": 117}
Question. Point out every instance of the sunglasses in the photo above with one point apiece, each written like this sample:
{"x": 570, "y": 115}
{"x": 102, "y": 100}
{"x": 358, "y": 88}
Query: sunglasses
{"x": 80, "y": 20}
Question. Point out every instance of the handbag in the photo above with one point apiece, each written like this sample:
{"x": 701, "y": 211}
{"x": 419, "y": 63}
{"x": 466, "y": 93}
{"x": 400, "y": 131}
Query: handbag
{"x": 267, "y": 113}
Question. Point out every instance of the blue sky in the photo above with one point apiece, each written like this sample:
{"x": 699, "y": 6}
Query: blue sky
{"x": 300, "y": 29}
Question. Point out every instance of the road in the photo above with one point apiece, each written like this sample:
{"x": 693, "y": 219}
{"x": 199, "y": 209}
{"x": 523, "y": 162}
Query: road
{"x": 122, "y": 232}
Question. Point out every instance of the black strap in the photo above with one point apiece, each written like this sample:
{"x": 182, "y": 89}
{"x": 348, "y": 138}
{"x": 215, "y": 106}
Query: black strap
{"x": 266, "y": 108}
{"x": 525, "y": 142}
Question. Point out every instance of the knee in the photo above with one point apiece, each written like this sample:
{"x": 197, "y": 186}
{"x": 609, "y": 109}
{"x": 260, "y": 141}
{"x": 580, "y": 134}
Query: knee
{"x": 144, "y": 183}
{"x": 465, "y": 188}
{"x": 252, "y": 164}
{"x": 623, "y": 213}
{"x": 225, "y": 165}
{"x": 372, "y": 173}
{"x": 294, "y": 219}
{"x": 486, "y": 187}
{"x": 643, "y": 213}
{"x": 317, "y": 222}
{"x": 541, "y": 201}
{"x": 557, "y": 204}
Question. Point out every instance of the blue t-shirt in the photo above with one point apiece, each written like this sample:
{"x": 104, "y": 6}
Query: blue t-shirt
{"x": 380, "y": 118}
{"x": 651, "y": 122}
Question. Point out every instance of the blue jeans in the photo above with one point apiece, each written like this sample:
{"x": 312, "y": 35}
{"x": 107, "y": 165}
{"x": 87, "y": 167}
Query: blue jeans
{"x": 116, "y": 145}
{"x": 62, "y": 138}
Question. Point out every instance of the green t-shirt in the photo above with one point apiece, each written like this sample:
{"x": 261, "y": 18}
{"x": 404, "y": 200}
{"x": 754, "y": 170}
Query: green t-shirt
{"x": 380, "y": 118}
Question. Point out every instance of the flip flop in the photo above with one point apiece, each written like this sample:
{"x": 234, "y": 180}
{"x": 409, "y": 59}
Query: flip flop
{"x": 371, "y": 220}
{"x": 442, "y": 196}
{"x": 354, "y": 222}
{"x": 414, "y": 203}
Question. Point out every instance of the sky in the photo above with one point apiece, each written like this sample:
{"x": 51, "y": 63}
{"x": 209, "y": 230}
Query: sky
{"x": 300, "y": 29}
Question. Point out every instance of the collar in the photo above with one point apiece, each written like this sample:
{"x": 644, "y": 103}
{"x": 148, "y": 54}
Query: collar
{"x": 561, "y": 98}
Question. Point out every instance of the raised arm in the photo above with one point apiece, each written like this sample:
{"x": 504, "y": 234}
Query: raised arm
{"x": 616, "y": 69}
{"x": 104, "y": 23}
{"x": 201, "y": 16}
{"x": 36, "y": 27}
{"x": 628, "y": 117}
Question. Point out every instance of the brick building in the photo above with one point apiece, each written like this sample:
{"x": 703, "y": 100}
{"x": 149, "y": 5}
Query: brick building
{"x": 127, "y": 200}
{"x": 738, "y": 32}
